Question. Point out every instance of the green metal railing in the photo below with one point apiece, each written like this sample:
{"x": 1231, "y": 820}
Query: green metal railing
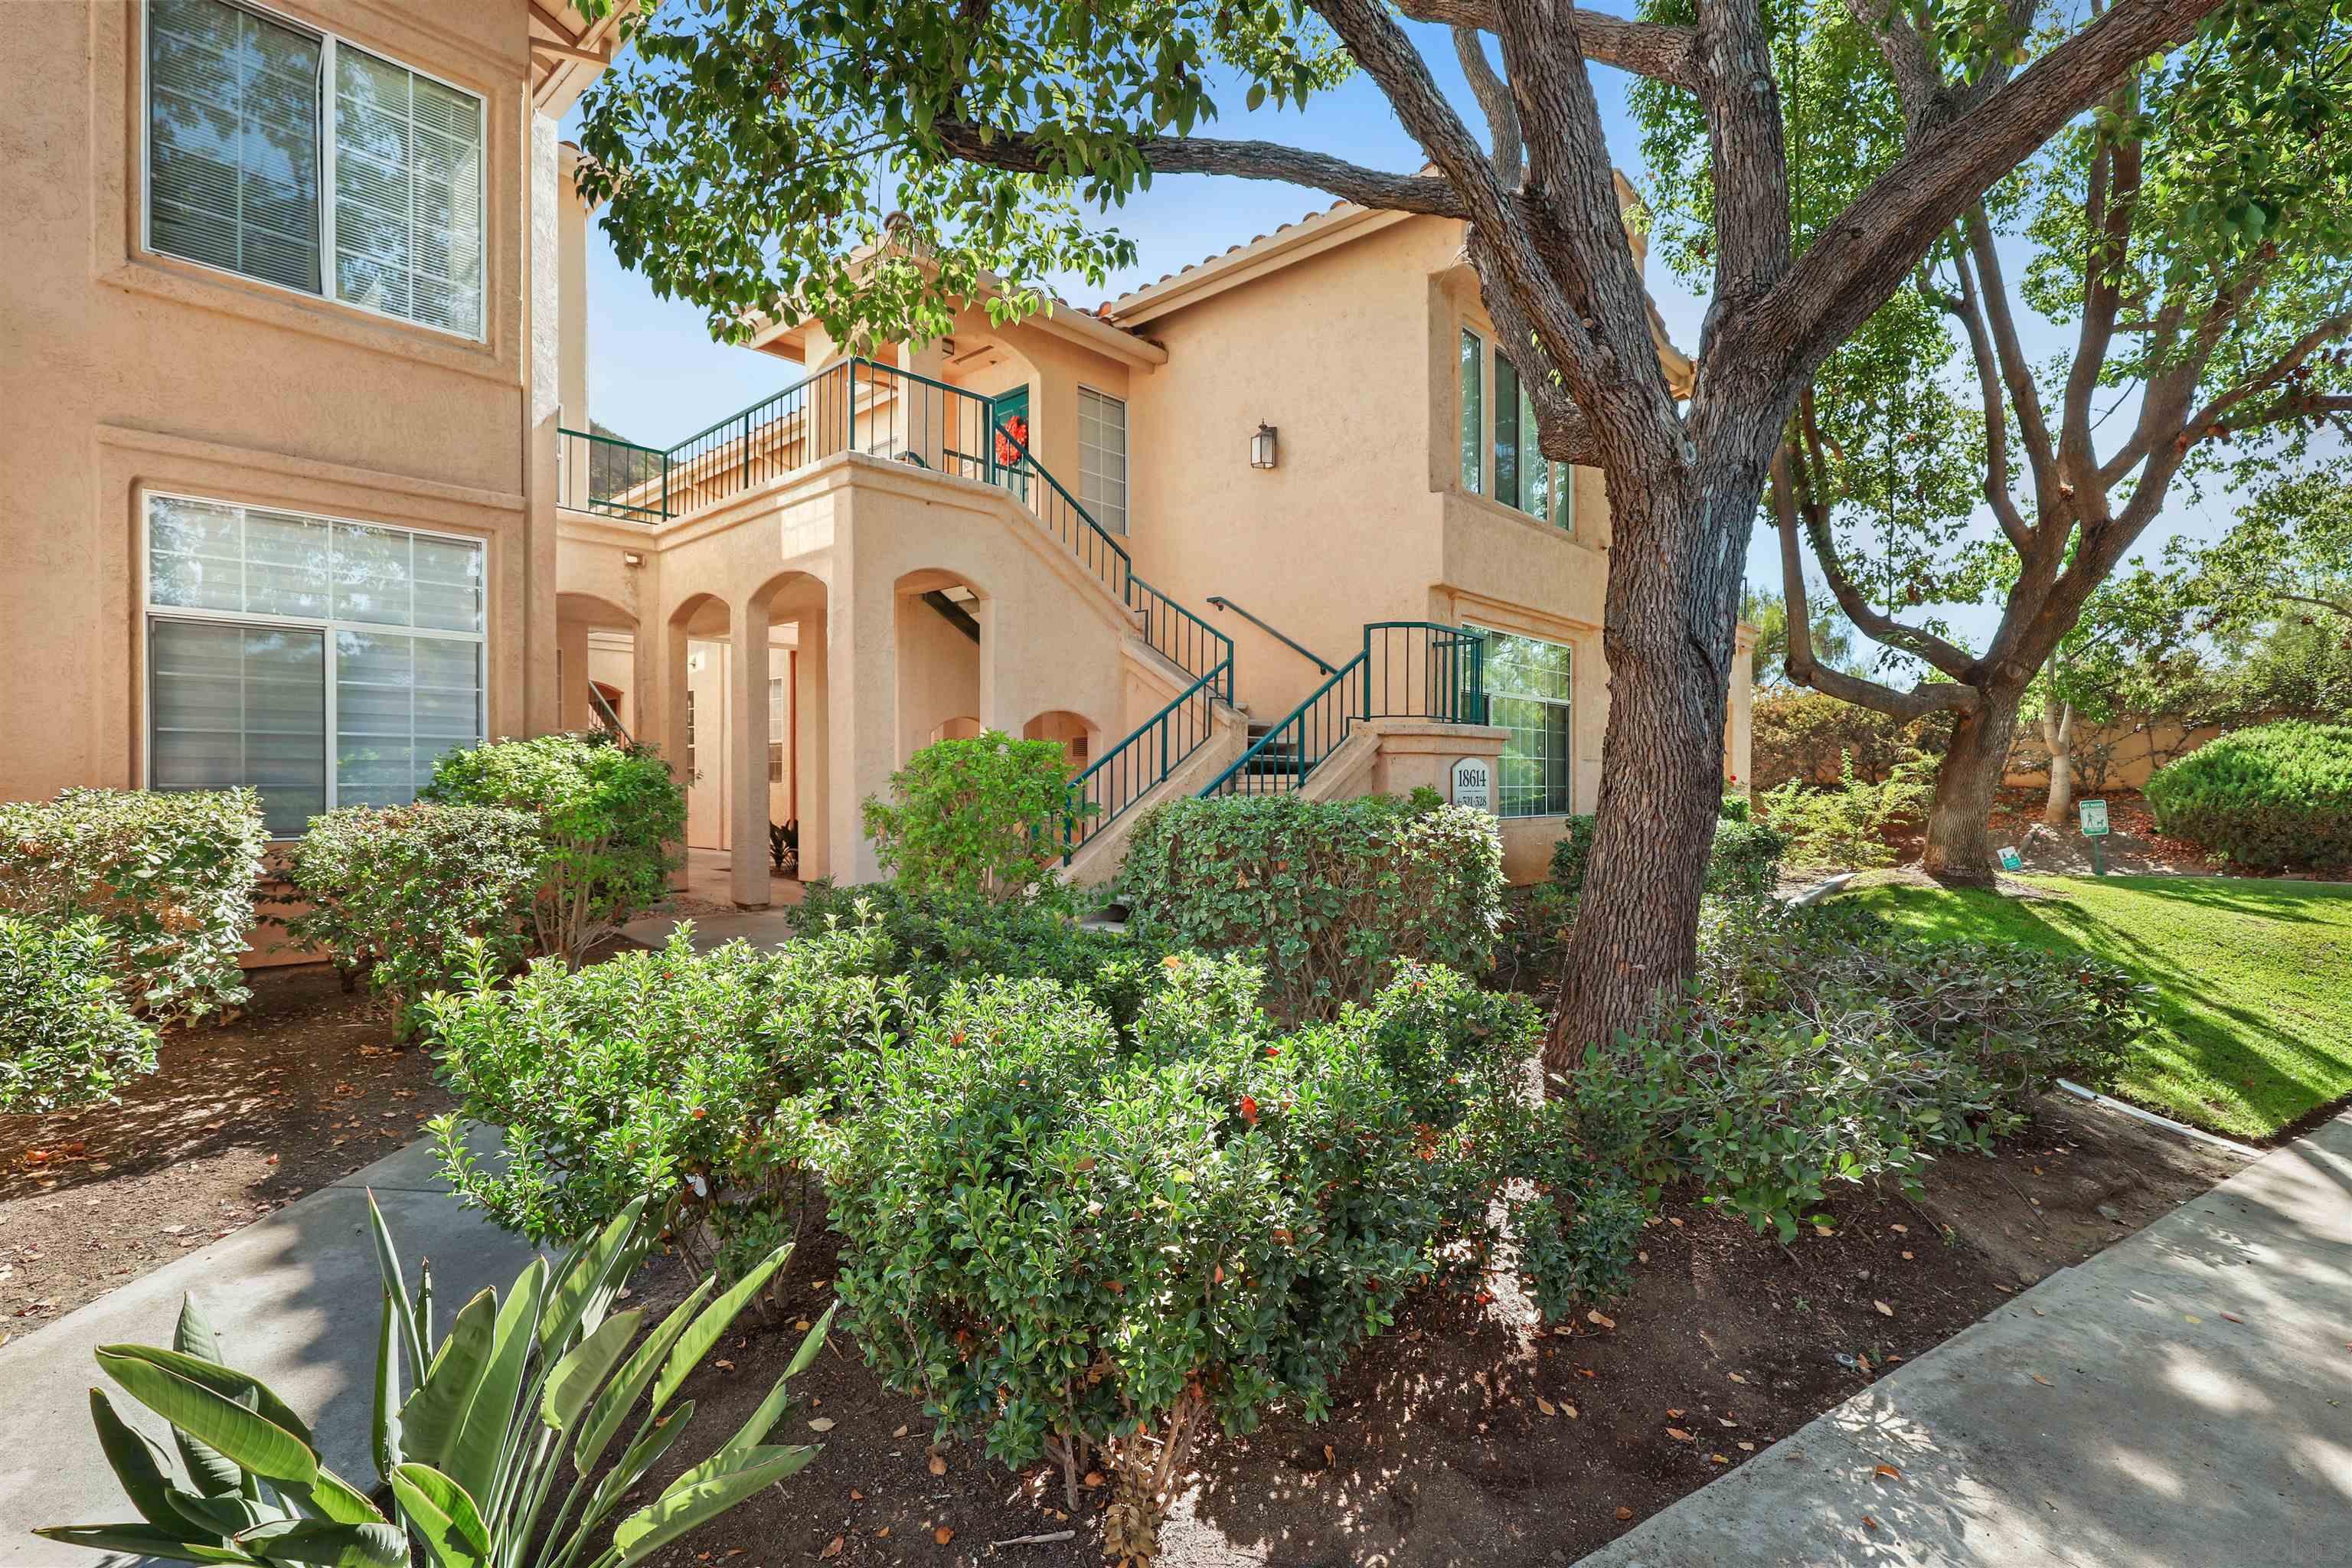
{"x": 614, "y": 477}
{"x": 1133, "y": 769}
{"x": 1406, "y": 669}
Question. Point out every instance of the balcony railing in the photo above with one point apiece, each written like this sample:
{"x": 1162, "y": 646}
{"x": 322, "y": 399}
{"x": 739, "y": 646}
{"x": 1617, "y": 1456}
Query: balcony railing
{"x": 614, "y": 477}
{"x": 1406, "y": 669}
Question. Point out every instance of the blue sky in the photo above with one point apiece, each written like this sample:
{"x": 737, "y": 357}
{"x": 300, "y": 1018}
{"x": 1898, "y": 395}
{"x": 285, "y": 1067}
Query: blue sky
{"x": 654, "y": 375}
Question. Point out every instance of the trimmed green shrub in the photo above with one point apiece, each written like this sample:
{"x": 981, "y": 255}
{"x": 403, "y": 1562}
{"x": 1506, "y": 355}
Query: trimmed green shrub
{"x": 1082, "y": 1249}
{"x": 169, "y": 876}
{"x": 1811, "y": 737}
{"x": 610, "y": 816}
{"x": 518, "y": 1392}
{"x": 66, "y": 1038}
{"x": 1336, "y": 894}
{"x": 668, "y": 1075}
{"x": 394, "y": 892}
{"x": 1744, "y": 859}
{"x": 1570, "y": 856}
{"x": 935, "y": 939}
{"x": 978, "y": 819}
{"x": 2277, "y": 795}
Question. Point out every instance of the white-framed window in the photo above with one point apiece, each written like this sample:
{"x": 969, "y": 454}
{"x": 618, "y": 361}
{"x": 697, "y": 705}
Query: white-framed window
{"x": 779, "y": 713}
{"x": 1474, "y": 412}
{"x": 288, "y": 155}
{"x": 1529, "y": 684}
{"x": 1102, "y": 457}
{"x": 324, "y": 662}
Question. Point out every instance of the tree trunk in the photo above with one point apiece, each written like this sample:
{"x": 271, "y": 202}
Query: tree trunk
{"x": 1960, "y": 819}
{"x": 2058, "y": 734}
{"x": 1672, "y": 596}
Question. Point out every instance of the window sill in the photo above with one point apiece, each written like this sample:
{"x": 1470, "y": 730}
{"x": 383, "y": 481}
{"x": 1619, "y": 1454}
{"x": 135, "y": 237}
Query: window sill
{"x": 203, "y": 288}
{"x": 1489, "y": 507}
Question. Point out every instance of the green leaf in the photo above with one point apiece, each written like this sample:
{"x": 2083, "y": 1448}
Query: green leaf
{"x": 142, "y": 1540}
{"x": 650, "y": 1529}
{"x": 384, "y": 1422}
{"x": 590, "y": 1271}
{"x": 429, "y": 1422}
{"x": 193, "y": 1336}
{"x": 331, "y": 1544}
{"x": 440, "y": 1510}
{"x": 721, "y": 1464}
{"x": 697, "y": 1342}
{"x": 472, "y": 1461}
{"x": 651, "y": 1444}
{"x": 139, "y": 1462}
{"x": 234, "y": 1432}
{"x": 578, "y": 1376}
{"x": 763, "y": 1421}
{"x": 613, "y": 1404}
{"x": 396, "y": 1284}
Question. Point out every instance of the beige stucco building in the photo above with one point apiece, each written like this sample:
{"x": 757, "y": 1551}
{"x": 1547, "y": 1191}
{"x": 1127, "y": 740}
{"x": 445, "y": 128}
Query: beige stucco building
{"x": 307, "y": 489}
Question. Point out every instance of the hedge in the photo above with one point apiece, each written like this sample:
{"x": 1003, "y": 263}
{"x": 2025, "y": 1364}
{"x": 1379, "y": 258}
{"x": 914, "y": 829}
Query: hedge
{"x": 169, "y": 877}
{"x": 66, "y": 1038}
{"x": 2276, "y": 794}
{"x": 1336, "y": 894}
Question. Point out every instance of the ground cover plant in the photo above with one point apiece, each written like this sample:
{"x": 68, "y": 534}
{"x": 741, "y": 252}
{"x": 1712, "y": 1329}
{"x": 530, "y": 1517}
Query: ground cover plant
{"x": 169, "y": 877}
{"x": 2252, "y": 1016}
{"x": 609, "y": 818}
{"x": 2277, "y": 795}
{"x": 1334, "y": 894}
{"x": 472, "y": 1454}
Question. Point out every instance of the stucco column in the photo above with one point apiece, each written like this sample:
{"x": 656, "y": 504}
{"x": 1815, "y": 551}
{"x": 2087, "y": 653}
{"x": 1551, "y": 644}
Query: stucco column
{"x": 1738, "y": 738}
{"x": 747, "y": 703}
{"x": 1002, "y": 705}
{"x": 542, "y": 705}
{"x": 863, "y": 735}
{"x": 574, "y": 710}
{"x": 664, "y": 713}
{"x": 811, "y": 762}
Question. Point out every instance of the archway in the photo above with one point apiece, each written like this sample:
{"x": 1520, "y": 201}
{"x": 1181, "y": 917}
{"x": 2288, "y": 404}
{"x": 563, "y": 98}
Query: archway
{"x": 595, "y": 666}
{"x": 940, "y": 632}
{"x": 1080, "y": 740}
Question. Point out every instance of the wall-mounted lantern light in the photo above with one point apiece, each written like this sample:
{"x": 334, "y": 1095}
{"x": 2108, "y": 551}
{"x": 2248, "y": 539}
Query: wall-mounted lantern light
{"x": 1262, "y": 446}
{"x": 631, "y": 558}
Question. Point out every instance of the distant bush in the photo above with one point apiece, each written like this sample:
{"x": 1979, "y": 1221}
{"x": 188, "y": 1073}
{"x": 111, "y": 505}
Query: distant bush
{"x": 610, "y": 819}
{"x": 936, "y": 938}
{"x": 1744, "y": 859}
{"x": 1077, "y": 1246}
{"x": 66, "y": 1038}
{"x": 393, "y": 892}
{"x": 2278, "y": 794}
{"x": 1844, "y": 827}
{"x": 1337, "y": 894}
{"x": 979, "y": 818}
{"x": 1810, "y": 737}
{"x": 669, "y": 1076}
{"x": 170, "y": 877}
{"x": 1571, "y": 852}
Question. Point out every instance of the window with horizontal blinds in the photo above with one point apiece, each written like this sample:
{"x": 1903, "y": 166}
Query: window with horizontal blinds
{"x": 301, "y": 160}
{"x": 322, "y": 661}
{"x": 408, "y": 194}
{"x": 233, "y": 141}
{"x": 1102, "y": 457}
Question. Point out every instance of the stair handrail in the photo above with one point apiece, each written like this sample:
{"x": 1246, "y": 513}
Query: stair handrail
{"x": 1078, "y": 824}
{"x": 1293, "y": 644}
{"x": 1332, "y": 726}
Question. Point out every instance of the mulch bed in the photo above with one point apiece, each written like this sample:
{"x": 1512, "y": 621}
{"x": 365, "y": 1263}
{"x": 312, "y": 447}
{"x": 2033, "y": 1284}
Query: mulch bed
{"x": 1439, "y": 1450}
{"x": 308, "y": 1086}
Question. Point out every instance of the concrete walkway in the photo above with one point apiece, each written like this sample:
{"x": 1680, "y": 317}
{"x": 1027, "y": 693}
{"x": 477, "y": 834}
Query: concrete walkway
{"x": 2182, "y": 1400}
{"x": 295, "y": 1298}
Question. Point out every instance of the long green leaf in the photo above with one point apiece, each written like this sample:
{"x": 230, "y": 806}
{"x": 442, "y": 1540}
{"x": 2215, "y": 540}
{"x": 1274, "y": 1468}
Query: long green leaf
{"x": 581, "y": 1372}
{"x": 696, "y": 1342}
{"x": 587, "y": 1275}
{"x": 333, "y": 1499}
{"x": 718, "y": 1465}
{"x": 430, "y": 1420}
{"x": 238, "y": 1387}
{"x": 439, "y": 1509}
{"x": 211, "y": 1472}
{"x": 229, "y": 1514}
{"x": 755, "y": 1431}
{"x": 138, "y": 1462}
{"x": 472, "y": 1461}
{"x": 384, "y": 1413}
{"x": 331, "y": 1544}
{"x": 652, "y": 1442}
{"x": 396, "y": 1284}
{"x": 238, "y": 1435}
{"x": 650, "y": 1529}
{"x": 144, "y": 1541}
{"x": 612, "y": 1407}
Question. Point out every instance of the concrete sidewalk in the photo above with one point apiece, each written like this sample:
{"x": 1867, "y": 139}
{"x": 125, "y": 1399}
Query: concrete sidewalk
{"x": 2182, "y": 1400}
{"x": 295, "y": 1298}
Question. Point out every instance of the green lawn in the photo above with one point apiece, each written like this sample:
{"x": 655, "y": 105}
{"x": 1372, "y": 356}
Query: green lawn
{"x": 2253, "y": 980}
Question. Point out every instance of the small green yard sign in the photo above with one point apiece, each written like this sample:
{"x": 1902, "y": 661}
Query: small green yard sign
{"x": 2094, "y": 818}
{"x": 2010, "y": 860}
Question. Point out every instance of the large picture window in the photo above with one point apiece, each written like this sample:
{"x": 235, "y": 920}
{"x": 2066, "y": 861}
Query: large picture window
{"x": 322, "y": 661}
{"x": 1102, "y": 457}
{"x": 1528, "y": 688}
{"x": 370, "y": 191}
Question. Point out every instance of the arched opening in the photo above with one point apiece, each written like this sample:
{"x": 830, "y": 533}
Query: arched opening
{"x": 695, "y": 739}
{"x": 941, "y": 623}
{"x": 595, "y": 666}
{"x": 1079, "y": 740}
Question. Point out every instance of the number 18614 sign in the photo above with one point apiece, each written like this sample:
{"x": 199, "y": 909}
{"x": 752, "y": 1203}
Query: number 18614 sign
{"x": 1473, "y": 782}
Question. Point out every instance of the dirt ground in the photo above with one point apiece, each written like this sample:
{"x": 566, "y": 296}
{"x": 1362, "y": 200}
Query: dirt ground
{"x": 308, "y": 1086}
{"x": 1438, "y": 1451}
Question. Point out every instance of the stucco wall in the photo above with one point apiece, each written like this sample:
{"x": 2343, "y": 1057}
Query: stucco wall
{"x": 121, "y": 370}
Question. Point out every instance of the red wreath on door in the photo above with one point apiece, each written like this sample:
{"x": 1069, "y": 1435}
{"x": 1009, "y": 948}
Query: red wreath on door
{"x": 1012, "y": 439}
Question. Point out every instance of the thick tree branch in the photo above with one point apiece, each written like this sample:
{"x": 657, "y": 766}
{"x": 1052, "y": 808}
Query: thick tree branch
{"x": 1748, "y": 161}
{"x": 2016, "y": 370}
{"x": 1655, "y": 49}
{"x": 1376, "y": 188}
{"x": 1562, "y": 431}
{"x": 2212, "y": 416}
{"x": 2114, "y": 203}
{"x": 1495, "y": 99}
{"x": 1834, "y": 288}
{"x": 1962, "y": 308}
